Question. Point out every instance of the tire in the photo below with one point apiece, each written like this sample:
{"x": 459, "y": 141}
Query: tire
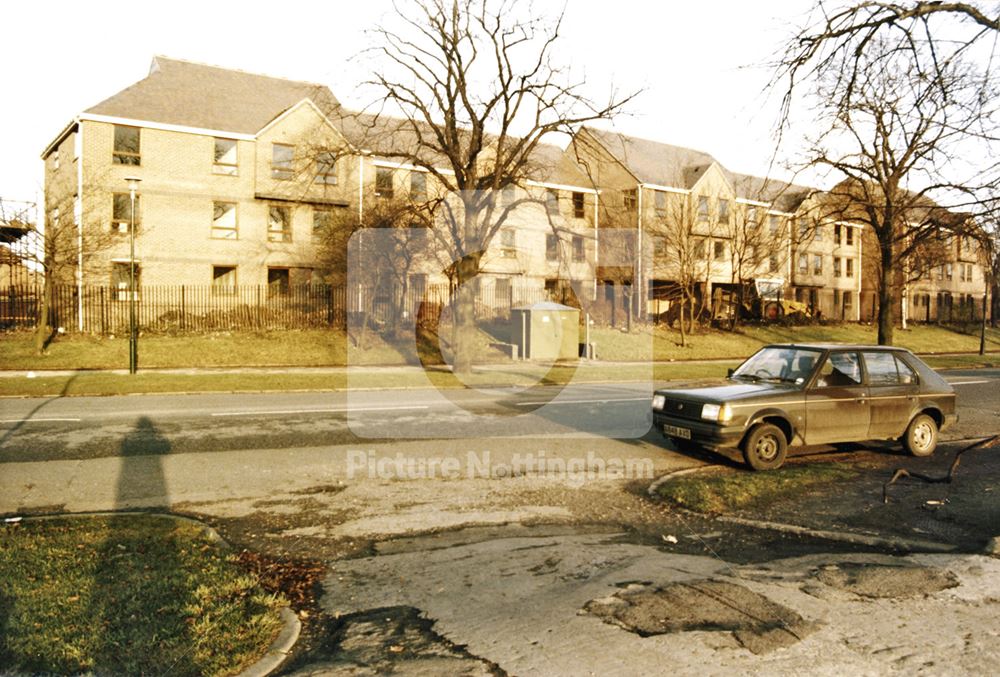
{"x": 920, "y": 438}
{"x": 765, "y": 447}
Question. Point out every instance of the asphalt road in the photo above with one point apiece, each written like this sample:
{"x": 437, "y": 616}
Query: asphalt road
{"x": 92, "y": 427}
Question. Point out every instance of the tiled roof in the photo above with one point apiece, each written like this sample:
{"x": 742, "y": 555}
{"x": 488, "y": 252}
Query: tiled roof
{"x": 209, "y": 97}
{"x": 677, "y": 167}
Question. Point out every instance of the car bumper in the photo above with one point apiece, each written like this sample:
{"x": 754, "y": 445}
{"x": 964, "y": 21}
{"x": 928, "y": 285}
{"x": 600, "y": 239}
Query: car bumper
{"x": 704, "y": 433}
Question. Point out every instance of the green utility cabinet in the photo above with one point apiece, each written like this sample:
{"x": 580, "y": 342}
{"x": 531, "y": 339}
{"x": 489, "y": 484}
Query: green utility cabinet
{"x": 546, "y": 331}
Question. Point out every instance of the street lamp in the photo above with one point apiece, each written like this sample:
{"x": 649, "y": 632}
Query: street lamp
{"x": 133, "y": 334}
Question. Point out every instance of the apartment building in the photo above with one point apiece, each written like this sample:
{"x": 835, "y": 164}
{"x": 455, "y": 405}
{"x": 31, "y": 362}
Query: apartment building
{"x": 240, "y": 172}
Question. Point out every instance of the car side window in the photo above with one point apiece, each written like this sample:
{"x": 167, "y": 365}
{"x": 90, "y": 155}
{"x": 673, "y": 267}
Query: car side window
{"x": 881, "y": 368}
{"x": 839, "y": 370}
{"x": 906, "y": 374}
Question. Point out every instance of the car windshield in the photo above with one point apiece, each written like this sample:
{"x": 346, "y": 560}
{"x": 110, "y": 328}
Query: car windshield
{"x": 779, "y": 365}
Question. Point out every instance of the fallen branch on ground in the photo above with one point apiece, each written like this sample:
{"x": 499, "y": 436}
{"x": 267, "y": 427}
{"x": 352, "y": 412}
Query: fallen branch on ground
{"x": 985, "y": 443}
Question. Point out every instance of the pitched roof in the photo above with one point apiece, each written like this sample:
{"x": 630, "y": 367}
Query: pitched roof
{"x": 209, "y": 97}
{"x": 664, "y": 164}
{"x": 651, "y": 161}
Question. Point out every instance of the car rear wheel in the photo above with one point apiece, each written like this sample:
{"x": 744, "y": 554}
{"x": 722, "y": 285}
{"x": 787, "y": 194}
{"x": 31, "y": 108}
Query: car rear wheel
{"x": 920, "y": 438}
{"x": 765, "y": 447}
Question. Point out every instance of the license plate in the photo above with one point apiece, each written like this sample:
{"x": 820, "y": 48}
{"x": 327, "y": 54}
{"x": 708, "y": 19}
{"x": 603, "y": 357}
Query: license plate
{"x": 674, "y": 431}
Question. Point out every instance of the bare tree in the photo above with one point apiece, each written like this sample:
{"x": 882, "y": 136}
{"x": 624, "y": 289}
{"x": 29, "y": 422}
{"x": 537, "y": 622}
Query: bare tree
{"x": 478, "y": 89}
{"x": 894, "y": 130}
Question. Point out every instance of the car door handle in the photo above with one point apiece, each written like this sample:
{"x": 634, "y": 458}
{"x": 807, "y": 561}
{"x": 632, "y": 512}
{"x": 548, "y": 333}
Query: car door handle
{"x": 861, "y": 400}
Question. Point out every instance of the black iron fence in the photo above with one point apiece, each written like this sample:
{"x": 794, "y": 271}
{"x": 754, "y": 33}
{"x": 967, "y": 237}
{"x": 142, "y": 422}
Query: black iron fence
{"x": 177, "y": 309}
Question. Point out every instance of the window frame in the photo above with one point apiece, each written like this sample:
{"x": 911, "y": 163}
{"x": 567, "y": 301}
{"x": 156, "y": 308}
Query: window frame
{"x": 219, "y": 232}
{"x": 579, "y": 249}
{"x": 551, "y": 248}
{"x": 225, "y": 168}
{"x": 124, "y": 157}
{"x": 285, "y": 234}
{"x": 116, "y": 221}
{"x": 385, "y": 183}
{"x": 219, "y": 289}
{"x": 579, "y": 205}
{"x": 282, "y": 170}
{"x": 329, "y": 176}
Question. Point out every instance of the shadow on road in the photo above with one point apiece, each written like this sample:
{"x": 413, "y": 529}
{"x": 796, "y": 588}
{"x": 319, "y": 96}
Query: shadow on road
{"x": 34, "y": 412}
{"x": 123, "y": 589}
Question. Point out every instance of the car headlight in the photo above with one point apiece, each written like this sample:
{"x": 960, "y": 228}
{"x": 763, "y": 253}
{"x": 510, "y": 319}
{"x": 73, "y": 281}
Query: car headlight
{"x": 722, "y": 413}
{"x": 659, "y": 401}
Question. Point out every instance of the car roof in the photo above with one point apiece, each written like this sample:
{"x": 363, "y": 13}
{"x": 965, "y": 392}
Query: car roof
{"x": 835, "y": 346}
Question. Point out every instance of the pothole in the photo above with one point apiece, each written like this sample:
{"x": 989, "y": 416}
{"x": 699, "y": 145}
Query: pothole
{"x": 883, "y": 581}
{"x": 390, "y": 640}
{"x": 756, "y": 622}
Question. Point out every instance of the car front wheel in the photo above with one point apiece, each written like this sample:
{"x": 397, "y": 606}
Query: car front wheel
{"x": 765, "y": 447}
{"x": 920, "y": 438}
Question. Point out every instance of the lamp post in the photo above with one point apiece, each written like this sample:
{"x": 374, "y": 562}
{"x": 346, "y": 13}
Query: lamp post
{"x": 133, "y": 334}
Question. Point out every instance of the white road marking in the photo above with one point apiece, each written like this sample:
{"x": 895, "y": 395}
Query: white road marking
{"x": 601, "y": 401}
{"x": 329, "y": 410}
{"x": 41, "y": 420}
{"x": 969, "y": 383}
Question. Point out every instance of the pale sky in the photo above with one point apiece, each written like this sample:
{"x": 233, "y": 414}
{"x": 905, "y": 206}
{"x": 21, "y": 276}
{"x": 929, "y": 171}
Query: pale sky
{"x": 698, "y": 62}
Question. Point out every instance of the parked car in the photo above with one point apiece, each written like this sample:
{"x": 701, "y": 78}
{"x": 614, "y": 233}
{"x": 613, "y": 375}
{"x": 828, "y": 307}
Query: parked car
{"x": 796, "y": 395}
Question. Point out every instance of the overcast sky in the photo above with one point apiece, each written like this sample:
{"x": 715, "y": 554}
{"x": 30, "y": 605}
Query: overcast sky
{"x": 698, "y": 62}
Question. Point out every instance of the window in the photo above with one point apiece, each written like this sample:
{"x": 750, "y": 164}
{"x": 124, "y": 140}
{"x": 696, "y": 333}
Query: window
{"x": 659, "y": 200}
{"x": 501, "y": 289}
{"x": 578, "y": 249}
{"x": 849, "y": 271}
{"x": 223, "y": 280}
{"x": 840, "y": 369}
{"x": 630, "y": 199}
{"x": 719, "y": 250}
{"x": 966, "y": 272}
{"x": 702, "y": 208}
{"x": 836, "y": 266}
{"x": 277, "y": 281}
{"x": 850, "y": 236}
{"x": 752, "y": 217}
{"x": 126, "y": 146}
{"x": 282, "y": 161}
{"x": 577, "y": 205}
{"x": 817, "y": 264}
{"x": 55, "y": 158}
{"x": 225, "y": 157}
{"x": 120, "y": 278}
{"x": 948, "y": 271}
{"x": 701, "y": 249}
{"x": 773, "y": 223}
{"x": 418, "y": 187}
{"x": 551, "y": 247}
{"x": 508, "y": 243}
{"x": 836, "y": 299}
{"x": 279, "y": 224}
{"x": 772, "y": 264}
{"x": 383, "y": 182}
{"x": 224, "y": 224}
{"x": 837, "y": 234}
{"x": 848, "y": 300}
{"x": 659, "y": 247}
{"x": 803, "y": 231}
{"x": 723, "y": 210}
{"x": 803, "y": 263}
{"x": 322, "y": 220}
{"x": 326, "y": 167}
{"x": 881, "y": 368}
{"x": 121, "y": 212}
{"x": 817, "y": 231}
{"x": 552, "y": 202}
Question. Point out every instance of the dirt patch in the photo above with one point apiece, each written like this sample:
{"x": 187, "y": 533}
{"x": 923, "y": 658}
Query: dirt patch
{"x": 882, "y": 581}
{"x": 390, "y": 640}
{"x": 756, "y": 622}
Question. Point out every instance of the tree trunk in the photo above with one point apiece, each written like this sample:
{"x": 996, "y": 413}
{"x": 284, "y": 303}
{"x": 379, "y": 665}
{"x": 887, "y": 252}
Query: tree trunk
{"x": 465, "y": 315}
{"x": 43, "y": 329}
{"x": 885, "y": 309}
{"x": 680, "y": 323}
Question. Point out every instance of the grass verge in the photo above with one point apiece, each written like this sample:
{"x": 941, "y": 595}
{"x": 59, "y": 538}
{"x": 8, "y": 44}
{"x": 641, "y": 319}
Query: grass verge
{"x": 129, "y": 595}
{"x": 104, "y": 383}
{"x": 721, "y": 492}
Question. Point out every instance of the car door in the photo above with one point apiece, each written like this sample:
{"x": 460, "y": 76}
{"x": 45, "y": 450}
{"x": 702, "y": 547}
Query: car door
{"x": 892, "y": 389}
{"x": 837, "y": 406}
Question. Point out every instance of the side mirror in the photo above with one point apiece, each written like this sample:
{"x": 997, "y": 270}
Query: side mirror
{"x": 730, "y": 372}
{"x": 906, "y": 379}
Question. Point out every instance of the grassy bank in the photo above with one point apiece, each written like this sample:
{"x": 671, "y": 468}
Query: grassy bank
{"x": 127, "y": 595}
{"x": 722, "y": 492}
